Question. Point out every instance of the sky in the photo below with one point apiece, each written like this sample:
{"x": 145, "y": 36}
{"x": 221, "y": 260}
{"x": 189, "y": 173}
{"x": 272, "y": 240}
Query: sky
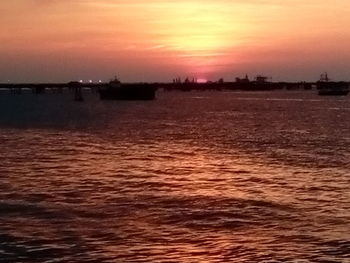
{"x": 159, "y": 40}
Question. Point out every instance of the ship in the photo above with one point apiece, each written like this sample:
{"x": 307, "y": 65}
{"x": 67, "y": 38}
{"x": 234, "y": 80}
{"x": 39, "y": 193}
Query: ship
{"x": 326, "y": 87}
{"x": 115, "y": 90}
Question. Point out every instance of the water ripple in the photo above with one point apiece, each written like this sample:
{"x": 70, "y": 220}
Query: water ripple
{"x": 229, "y": 177}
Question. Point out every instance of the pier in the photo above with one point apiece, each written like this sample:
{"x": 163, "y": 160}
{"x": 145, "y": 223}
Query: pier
{"x": 39, "y": 88}
{"x": 238, "y": 85}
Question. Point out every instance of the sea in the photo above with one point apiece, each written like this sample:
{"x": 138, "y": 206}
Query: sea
{"x": 201, "y": 176}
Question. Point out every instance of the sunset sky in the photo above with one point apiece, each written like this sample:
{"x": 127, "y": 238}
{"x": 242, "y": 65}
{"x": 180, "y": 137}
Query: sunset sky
{"x": 157, "y": 40}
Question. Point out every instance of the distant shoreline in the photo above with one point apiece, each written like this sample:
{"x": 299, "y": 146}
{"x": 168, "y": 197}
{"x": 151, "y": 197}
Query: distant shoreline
{"x": 251, "y": 86}
{"x": 38, "y": 88}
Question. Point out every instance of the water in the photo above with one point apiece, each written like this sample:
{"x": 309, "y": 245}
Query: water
{"x": 190, "y": 177}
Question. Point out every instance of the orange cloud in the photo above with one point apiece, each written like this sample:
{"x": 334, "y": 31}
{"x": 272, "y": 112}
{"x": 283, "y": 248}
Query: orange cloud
{"x": 217, "y": 37}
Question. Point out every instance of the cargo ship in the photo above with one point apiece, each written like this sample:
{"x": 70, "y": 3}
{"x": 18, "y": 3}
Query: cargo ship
{"x": 115, "y": 90}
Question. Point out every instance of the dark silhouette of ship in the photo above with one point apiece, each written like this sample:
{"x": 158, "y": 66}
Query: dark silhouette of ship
{"x": 115, "y": 90}
{"x": 326, "y": 87}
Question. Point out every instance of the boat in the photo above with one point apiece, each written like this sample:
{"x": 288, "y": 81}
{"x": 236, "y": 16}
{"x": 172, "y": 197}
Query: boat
{"x": 115, "y": 90}
{"x": 326, "y": 87}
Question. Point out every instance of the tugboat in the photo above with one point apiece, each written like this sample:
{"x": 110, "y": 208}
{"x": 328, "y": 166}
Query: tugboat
{"x": 326, "y": 87}
{"x": 115, "y": 90}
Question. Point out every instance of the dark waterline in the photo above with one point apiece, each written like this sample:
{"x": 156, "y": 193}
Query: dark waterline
{"x": 189, "y": 177}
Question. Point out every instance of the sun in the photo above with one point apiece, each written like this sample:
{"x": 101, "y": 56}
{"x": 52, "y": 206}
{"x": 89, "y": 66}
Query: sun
{"x": 194, "y": 27}
{"x": 202, "y": 80}
{"x": 199, "y": 33}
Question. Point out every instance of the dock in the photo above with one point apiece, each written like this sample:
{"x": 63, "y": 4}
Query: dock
{"x": 77, "y": 87}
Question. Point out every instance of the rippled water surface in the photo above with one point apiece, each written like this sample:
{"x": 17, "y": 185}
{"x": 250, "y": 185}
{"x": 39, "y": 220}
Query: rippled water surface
{"x": 189, "y": 177}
